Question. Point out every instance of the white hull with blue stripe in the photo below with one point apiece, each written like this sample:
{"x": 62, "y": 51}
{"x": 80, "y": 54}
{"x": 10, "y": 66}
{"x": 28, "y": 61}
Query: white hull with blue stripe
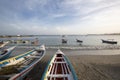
{"x": 6, "y": 53}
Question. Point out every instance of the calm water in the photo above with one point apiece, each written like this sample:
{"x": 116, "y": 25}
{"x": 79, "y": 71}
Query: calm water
{"x": 91, "y": 44}
{"x": 90, "y": 40}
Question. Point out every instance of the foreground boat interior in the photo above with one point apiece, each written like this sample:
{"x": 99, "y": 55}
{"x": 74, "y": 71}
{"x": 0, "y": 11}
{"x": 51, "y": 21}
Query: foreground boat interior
{"x": 17, "y": 67}
{"x": 59, "y": 68}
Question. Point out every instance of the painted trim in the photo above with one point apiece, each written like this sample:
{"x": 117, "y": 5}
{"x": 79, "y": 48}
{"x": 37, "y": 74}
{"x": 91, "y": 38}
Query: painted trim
{"x": 46, "y": 69}
{"x": 72, "y": 69}
{"x": 7, "y": 60}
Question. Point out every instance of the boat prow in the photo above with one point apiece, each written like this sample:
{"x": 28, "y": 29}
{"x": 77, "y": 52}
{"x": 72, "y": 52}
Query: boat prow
{"x": 5, "y": 43}
{"x": 6, "y": 53}
{"x": 59, "y": 68}
{"x": 42, "y": 47}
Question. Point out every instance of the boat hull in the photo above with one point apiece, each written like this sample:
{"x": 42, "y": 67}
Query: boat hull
{"x": 79, "y": 41}
{"x": 109, "y": 42}
{"x": 7, "y": 54}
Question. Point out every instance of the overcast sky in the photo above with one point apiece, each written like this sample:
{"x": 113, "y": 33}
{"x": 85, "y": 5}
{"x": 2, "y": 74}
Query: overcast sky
{"x": 59, "y": 16}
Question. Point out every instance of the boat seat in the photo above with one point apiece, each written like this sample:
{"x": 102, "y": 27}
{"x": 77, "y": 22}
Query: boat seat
{"x": 59, "y": 62}
{"x": 59, "y": 75}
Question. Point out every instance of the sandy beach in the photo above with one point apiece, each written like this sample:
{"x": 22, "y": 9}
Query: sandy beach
{"x": 87, "y": 67}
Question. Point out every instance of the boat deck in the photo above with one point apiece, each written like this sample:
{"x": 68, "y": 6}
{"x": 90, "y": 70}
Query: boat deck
{"x": 59, "y": 70}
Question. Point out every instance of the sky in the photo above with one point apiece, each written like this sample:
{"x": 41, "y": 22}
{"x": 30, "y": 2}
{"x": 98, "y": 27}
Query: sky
{"x": 53, "y": 17}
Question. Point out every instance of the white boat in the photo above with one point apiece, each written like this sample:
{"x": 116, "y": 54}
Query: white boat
{"x": 6, "y": 53}
{"x": 3, "y": 44}
{"x": 59, "y": 68}
{"x": 22, "y": 64}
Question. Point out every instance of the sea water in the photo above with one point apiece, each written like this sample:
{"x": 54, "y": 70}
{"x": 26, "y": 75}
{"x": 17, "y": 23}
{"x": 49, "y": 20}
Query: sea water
{"x": 54, "y": 41}
{"x": 92, "y": 44}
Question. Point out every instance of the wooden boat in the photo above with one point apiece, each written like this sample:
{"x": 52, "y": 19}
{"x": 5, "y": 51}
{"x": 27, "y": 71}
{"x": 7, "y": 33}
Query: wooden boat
{"x": 79, "y": 41}
{"x": 109, "y": 41}
{"x": 6, "y": 53}
{"x": 21, "y": 64}
{"x": 59, "y": 68}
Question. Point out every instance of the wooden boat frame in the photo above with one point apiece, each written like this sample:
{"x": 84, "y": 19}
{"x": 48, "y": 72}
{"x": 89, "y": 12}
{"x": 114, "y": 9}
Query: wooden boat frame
{"x": 59, "y": 68}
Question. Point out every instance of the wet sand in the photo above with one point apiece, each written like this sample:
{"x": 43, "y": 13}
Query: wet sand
{"x": 87, "y": 67}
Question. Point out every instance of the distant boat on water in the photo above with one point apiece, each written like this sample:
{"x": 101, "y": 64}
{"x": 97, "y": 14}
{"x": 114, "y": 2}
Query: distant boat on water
{"x": 6, "y": 53}
{"x": 79, "y": 41}
{"x": 59, "y": 68}
{"x": 110, "y": 41}
{"x": 16, "y": 68}
{"x": 64, "y": 40}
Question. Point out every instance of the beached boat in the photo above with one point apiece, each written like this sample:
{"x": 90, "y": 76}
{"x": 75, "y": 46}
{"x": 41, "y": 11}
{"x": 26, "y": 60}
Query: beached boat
{"x": 6, "y": 53}
{"x": 109, "y": 41}
{"x": 79, "y": 41}
{"x": 59, "y": 68}
{"x": 18, "y": 67}
{"x": 2, "y": 44}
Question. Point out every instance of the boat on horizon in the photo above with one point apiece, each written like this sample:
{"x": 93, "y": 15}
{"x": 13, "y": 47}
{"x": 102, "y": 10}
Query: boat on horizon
{"x": 18, "y": 67}
{"x": 64, "y": 40}
{"x": 79, "y": 41}
{"x": 59, "y": 68}
{"x": 110, "y": 41}
{"x": 5, "y": 53}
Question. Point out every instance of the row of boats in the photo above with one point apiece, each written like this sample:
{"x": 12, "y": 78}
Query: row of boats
{"x": 77, "y": 40}
{"x": 16, "y": 68}
{"x": 109, "y": 41}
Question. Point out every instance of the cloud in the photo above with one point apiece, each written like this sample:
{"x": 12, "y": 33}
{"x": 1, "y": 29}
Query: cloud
{"x": 59, "y": 16}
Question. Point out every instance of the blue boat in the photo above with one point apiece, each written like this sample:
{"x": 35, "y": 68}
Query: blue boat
{"x": 59, "y": 68}
{"x": 22, "y": 64}
{"x": 6, "y": 53}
